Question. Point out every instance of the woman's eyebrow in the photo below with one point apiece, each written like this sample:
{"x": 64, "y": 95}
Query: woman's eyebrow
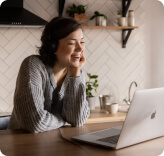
{"x": 74, "y": 38}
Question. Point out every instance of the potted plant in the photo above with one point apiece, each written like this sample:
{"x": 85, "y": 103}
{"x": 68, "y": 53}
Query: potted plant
{"x": 119, "y": 12}
{"x": 101, "y": 19}
{"x": 121, "y": 20}
{"x": 78, "y": 12}
{"x": 91, "y": 85}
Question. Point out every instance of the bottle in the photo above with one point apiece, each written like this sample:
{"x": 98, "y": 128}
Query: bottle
{"x": 131, "y": 19}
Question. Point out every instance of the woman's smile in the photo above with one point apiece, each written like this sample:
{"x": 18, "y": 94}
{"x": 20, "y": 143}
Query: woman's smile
{"x": 76, "y": 57}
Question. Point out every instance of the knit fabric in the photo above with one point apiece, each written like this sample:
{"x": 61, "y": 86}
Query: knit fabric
{"x": 39, "y": 105}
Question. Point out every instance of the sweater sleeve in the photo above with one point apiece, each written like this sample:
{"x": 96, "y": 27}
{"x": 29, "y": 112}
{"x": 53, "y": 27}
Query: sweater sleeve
{"x": 29, "y": 101}
{"x": 75, "y": 105}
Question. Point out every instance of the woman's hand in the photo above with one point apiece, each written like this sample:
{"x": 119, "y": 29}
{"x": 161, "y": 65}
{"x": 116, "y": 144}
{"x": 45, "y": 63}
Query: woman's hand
{"x": 82, "y": 60}
{"x": 75, "y": 71}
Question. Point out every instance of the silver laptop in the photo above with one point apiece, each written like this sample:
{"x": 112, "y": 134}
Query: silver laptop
{"x": 144, "y": 121}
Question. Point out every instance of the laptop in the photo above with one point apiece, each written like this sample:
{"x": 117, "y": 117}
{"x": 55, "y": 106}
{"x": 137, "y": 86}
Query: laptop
{"x": 144, "y": 121}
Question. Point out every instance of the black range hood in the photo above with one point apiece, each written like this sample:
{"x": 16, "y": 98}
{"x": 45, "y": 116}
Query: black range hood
{"x": 13, "y": 14}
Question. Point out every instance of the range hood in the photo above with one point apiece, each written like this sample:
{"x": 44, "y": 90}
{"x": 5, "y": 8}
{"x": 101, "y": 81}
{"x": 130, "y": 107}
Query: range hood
{"x": 12, "y": 14}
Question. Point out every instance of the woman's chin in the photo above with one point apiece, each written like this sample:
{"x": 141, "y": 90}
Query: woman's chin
{"x": 75, "y": 64}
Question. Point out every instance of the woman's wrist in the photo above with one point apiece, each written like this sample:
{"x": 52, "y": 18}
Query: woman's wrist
{"x": 74, "y": 72}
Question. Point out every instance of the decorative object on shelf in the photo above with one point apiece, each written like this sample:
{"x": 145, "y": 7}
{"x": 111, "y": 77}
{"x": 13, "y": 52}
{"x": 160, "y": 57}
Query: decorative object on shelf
{"x": 78, "y": 12}
{"x": 91, "y": 84}
{"x": 81, "y": 17}
{"x": 122, "y": 21}
{"x": 131, "y": 19}
{"x": 101, "y": 19}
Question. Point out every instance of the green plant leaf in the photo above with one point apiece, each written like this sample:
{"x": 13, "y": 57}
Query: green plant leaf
{"x": 105, "y": 17}
{"x": 94, "y": 77}
{"x": 119, "y": 12}
{"x": 95, "y": 85}
{"x": 88, "y": 74}
{"x": 92, "y": 17}
{"x": 96, "y": 13}
{"x": 74, "y": 6}
{"x": 76, "y": 9}
{"x": 91, "y": 84}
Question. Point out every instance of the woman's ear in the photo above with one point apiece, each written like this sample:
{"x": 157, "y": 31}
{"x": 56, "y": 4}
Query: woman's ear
{"x": 54, "y": 46}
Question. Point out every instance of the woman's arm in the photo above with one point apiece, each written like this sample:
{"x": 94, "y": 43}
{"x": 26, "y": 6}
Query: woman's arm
{"x": 75, "y": 105}
{"x": 29, "y": 100}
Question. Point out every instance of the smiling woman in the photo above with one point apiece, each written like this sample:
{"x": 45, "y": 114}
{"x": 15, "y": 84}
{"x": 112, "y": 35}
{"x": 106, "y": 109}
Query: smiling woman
{"x": 50, "y": 88}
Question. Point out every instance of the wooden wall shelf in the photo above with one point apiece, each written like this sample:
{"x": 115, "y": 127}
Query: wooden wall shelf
{"x": 126, "y": 31}
{"x": 108, "y": 27}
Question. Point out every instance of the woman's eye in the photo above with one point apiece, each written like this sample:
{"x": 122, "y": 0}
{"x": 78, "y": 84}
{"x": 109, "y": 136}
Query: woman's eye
{"x": 82, "y": 42}
{"x": 71, "y": 43}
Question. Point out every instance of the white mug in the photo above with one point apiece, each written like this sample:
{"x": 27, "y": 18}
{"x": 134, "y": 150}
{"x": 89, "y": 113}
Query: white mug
{"x": 112, "y": 108}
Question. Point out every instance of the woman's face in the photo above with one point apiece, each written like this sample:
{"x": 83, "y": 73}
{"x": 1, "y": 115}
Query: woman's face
{"x": 70, "y": 49}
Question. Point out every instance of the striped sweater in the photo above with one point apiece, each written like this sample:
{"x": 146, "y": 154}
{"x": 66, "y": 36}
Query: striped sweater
{"x": 38, "y": 104}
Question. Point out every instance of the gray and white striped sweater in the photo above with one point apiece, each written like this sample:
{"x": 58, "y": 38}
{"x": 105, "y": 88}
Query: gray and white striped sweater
{"x": 39, "y": 106}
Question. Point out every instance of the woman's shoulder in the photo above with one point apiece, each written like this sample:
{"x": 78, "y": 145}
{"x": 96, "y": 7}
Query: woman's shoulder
{"x": 33, "y": 63}
{"x": 36, "y": 59}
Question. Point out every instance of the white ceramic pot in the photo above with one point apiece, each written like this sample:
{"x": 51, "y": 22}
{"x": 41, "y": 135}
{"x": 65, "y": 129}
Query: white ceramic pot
{"x": 122, "y": 21}
{"x": 101, "y": 21}
{"x": 91, "y": 102}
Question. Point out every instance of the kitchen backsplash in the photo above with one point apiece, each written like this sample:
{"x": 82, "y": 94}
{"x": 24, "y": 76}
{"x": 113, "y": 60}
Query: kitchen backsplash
{"x": 115, "y": 66}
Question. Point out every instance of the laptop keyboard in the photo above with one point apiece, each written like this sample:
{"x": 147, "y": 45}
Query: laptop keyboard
{"x": 112, "y": 139}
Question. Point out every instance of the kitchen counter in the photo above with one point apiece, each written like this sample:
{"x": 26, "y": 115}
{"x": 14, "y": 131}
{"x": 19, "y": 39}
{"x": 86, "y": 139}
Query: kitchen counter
{"x": 99, "y": 115}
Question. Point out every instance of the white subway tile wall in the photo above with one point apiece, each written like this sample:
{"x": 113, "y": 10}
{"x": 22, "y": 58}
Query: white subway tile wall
{"x": 115, "y": 66}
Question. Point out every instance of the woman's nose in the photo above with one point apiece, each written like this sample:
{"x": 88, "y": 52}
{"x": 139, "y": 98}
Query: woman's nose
{"x": 79, "y": 48}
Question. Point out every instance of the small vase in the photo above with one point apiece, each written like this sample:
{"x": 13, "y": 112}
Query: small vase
{"x": 131, "y": 19}
{"x": 101, "y": 21}
{"x": 122, "y": 21}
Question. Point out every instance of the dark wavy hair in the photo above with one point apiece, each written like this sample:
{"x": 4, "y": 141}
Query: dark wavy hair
{"x": 56, "y": 29}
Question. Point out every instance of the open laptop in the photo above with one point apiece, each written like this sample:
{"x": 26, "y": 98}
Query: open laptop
{"x": 144, "y": 121}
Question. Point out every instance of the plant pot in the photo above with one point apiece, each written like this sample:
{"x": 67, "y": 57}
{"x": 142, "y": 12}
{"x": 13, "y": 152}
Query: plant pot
{"x": 101, "y": 21}
{"x": 81, "y": 18}
{"x": 91, "y": 102}
{"x": 122, "y": 21}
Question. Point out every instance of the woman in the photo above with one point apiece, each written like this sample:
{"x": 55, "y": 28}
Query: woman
{"x": 50, "y": 88}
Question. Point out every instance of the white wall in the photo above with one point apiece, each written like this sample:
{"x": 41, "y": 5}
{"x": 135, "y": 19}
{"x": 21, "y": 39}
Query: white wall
{"x": 157, "y": 45}
{"x": 116, "y": 67}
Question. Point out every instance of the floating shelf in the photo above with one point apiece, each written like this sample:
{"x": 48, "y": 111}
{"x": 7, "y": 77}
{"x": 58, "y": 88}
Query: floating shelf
{"x": 126, "y": 31}
{"x": 108, "y": 27}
